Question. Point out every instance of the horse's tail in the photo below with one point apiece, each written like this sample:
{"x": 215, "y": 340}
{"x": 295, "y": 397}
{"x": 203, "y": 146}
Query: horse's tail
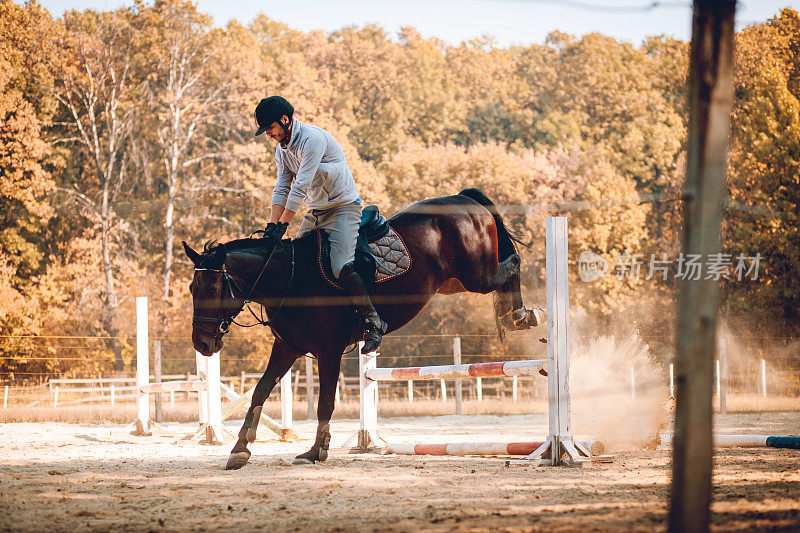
{"x": 505, "y": 239}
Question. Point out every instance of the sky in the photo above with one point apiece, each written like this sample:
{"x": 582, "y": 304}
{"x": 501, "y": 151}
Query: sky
{"x": 508, "y": 21}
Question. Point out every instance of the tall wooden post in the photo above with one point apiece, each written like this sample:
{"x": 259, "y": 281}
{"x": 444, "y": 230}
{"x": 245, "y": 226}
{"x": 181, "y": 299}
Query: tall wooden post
{"x": 710, "y": 94}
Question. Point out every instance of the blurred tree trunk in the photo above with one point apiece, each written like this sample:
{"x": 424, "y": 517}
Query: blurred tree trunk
{"x": 710, "y": 103}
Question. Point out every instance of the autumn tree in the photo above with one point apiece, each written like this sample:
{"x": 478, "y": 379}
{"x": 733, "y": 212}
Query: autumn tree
{"x": 764, "y": 176}
{"x": 25, "y": 107}
{"x": 95, "y": 88}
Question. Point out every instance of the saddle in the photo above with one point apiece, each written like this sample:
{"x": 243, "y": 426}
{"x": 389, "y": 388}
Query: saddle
{"x": 381, "y": 254}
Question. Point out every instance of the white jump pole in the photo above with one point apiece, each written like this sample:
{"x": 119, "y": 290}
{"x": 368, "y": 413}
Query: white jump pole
{"x": 210, "y": 395}
{"x": 202, "y": 395}
{"x": 457, "y": 361}
{"x": 286, "y": 404}
{"x": 764, "y": 379}
{"x": 367, "y": 435}
{"x": 479, "y": 388}
{"x": 559, "y": 441}
{"x": 478, "y": 448}
{"x": 474, "y": 370}
{"x": 444, "y": 390}
{"x": 142, "y": 368}
{"x": 214, "y": 398}
{"x": 410, "y": 391}
{"x": 747, "y": 441}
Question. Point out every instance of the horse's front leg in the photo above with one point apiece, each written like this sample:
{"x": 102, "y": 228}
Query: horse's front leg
{"x": 280, "y": 361}
{"x": 328, "y": 376}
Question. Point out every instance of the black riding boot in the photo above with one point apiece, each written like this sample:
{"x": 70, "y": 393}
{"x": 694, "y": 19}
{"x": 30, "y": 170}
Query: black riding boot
{"x": 374, "y": 326}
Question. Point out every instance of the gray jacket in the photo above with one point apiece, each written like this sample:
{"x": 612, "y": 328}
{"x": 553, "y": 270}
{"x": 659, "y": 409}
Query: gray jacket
{"x": 312, "y": 169}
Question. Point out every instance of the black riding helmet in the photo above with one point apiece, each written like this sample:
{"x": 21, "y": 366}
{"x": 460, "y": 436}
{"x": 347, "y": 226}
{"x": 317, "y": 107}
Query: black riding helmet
{"x": 271, "y": 110}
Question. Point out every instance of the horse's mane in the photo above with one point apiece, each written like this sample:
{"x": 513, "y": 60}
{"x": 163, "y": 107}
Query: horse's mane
{"x": 253, "y": 244}
{"x": 248, "y": 243}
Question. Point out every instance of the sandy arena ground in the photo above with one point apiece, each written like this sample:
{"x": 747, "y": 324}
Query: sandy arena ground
{"x": 62, "y": 477}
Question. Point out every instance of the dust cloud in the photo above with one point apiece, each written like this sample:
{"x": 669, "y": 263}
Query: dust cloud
{"x": 619, "y": 394}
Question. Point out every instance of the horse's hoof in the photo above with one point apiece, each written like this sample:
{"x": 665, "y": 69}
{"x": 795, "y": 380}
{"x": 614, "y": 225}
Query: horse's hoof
{"x": 300, "y": 460}
{"x": 237, "y": 460}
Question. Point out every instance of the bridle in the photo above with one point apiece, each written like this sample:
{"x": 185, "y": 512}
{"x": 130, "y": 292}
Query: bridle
{"x": 224, "y": 323}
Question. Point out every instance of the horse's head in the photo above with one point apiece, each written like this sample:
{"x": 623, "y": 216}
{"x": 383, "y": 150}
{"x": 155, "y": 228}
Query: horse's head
{"x": 215, "y": 304}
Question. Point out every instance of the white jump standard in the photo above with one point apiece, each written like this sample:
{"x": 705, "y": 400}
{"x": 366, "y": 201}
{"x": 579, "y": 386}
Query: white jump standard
{"x": 209, "y": 387}
{"x": 559, "y": 447}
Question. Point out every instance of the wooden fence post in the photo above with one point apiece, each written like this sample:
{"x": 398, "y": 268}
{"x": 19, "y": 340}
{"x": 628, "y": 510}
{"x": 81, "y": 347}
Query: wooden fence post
{"x": 310, "y": 388}
{"x": 157, "y": 372}
{"x": 342, "y": 387}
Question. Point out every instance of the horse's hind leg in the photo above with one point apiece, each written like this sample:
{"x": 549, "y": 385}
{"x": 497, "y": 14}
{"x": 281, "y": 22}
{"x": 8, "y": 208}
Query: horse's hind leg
{"x": 510, "y": 312}
{"x": 280, "y": 361}
{"x": 328, "y": 376}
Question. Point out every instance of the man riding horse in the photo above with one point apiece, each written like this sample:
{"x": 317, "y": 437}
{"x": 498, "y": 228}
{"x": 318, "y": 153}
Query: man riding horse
{"x": 453, "y": 244}
{"x": 312, "y": 169}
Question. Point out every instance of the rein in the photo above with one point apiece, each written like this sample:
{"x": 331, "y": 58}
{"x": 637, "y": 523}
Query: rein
{"x": 224, "y": 323}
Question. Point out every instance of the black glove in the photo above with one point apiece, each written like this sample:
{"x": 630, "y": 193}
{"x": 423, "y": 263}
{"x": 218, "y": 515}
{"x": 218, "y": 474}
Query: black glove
{"x": 275, "y": 231}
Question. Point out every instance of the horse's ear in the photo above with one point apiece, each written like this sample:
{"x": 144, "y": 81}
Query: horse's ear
{"x": 219, "y": 254}
{"x": 193, "y": 256}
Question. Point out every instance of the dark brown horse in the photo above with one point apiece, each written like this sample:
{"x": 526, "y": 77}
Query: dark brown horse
{"x": 457, "y": 243}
